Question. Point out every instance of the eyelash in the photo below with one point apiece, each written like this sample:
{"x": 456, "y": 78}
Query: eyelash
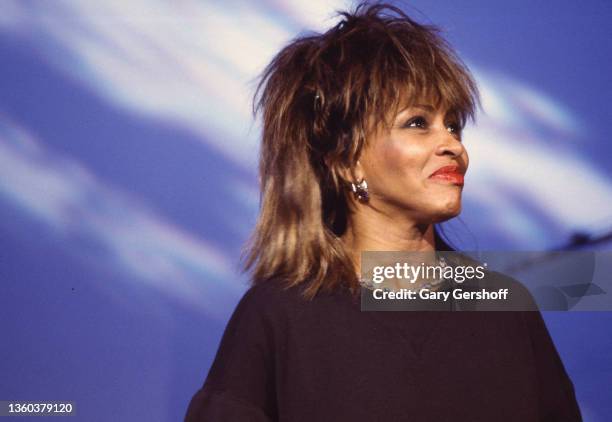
{"x": 408, "y": 124}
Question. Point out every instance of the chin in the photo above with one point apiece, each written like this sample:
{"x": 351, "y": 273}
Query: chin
{"x": 446, "y": 212}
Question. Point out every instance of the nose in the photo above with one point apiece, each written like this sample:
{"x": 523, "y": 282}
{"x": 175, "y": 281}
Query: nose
{"x": 449, "y": 144}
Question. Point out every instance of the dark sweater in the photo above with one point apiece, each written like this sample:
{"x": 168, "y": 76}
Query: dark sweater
{"x": 283, "y": 358}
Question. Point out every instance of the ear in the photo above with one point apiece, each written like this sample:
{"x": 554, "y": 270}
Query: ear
{"x": 351, "y": 175}
{"x": 356, "y": 174}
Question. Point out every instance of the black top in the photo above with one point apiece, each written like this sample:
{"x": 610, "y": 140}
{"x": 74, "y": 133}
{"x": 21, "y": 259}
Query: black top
{"x": 283, "y": 358}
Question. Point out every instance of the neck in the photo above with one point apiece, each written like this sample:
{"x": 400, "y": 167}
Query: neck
{"x": 370, "y": 230}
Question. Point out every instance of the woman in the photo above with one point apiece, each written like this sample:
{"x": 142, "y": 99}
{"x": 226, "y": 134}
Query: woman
{"x": 361, "y": 151}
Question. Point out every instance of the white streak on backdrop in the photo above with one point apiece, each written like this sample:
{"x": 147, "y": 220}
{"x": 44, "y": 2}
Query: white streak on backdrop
{"x": 526, "y": 145}
{"x": 190, "y": 62}
{"x": 194, "y": 64}
{"x": 72, "y": 202}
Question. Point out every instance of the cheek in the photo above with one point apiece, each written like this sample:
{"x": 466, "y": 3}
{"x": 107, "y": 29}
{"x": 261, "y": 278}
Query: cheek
{"x": 403, "y": 158}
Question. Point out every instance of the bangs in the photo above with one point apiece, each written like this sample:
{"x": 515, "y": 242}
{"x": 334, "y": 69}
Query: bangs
{"x": 419, "y": 68}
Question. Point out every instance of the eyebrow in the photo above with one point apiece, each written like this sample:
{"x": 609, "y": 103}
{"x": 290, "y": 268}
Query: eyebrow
{"x": 427, "y": 107}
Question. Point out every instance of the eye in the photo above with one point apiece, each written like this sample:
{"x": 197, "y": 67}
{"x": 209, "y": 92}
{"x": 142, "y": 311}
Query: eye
{"x": 455, "y": 128}
{"x": 418, "y": 122}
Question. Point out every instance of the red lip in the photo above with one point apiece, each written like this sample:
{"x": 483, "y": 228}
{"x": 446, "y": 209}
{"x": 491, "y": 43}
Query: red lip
{"x": 450, "y": 173}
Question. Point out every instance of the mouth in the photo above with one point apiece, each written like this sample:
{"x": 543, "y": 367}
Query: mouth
{"x": 448, "y": 174}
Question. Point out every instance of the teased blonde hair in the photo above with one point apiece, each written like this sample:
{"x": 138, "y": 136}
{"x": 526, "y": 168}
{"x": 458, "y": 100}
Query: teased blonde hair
{"x": 318, "y": 98}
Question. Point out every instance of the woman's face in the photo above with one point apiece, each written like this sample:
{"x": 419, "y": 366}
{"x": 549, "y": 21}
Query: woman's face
{"x": 399, "y": 165}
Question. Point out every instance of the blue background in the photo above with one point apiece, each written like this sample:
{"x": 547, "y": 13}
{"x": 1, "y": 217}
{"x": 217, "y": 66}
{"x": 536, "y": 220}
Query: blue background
{"x": 128, "y": 180}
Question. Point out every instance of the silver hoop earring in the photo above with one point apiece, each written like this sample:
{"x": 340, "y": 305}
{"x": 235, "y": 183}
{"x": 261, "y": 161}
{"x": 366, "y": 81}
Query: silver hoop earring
{"x": 360, "y": 190}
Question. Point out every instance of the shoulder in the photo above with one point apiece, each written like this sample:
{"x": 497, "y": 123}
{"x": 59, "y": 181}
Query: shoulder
{"x": 276, "y": 294}
{"x": 278, "y": 308}
{"x": 253, "y": 331}
{"x": 519, "y": 296}
{"x": 269, "y": 301}
{"x": 272, "y": 295}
